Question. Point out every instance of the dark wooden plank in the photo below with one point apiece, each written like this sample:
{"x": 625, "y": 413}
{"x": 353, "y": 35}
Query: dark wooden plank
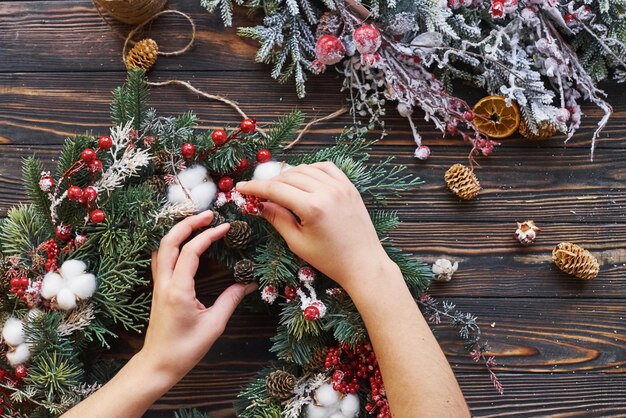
{"x": 71, "y": 36}
{"x": 45, "y": 108}
{"x": 572, "y": 350}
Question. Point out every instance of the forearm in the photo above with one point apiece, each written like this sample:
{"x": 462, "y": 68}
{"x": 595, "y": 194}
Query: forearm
{"x": 128, "y": 395}
{"x": 417, "y": 377}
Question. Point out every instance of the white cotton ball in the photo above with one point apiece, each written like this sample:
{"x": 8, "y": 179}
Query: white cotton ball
{"x": 270, "y": 169}
{"x": 52, "y": 283}
{"x": 192, "y": 176}
{"x": 336, "y": 415}
{"x": 72, "y": 268}
{"x": 350, "y": 406}
{"x": 314, "y": 411}
{"x": 176, "y": 194}
{"x": 13, "y": 332}
{"x": 66, "y": 299}
{"x": 326, "y": 395}
{"x": 203, "y": 195}
{"x": 82, "y": 286}
{"x": 19, "y": 355}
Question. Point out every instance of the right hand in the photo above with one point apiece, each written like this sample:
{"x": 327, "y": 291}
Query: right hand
{"x": 323, "y": 219}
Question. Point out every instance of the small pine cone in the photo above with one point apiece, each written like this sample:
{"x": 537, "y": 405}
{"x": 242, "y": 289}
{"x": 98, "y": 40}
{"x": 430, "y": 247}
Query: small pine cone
{"x": 330, "y": 24}
{"x": 238, "y": 235}
{"x": 244, "y": 271}
{"x": 462, "y": 181}
{"x": 545, "y": 130}
{"x": 161, "y": 159}
{"x": 158, "y": 182}
{"x": 318, "y": 360}
{"x": 218, "y": 219}
{"x": 576, "y": 261}
{"x": 280, "y": 384}
{"x": 143, "y": 55}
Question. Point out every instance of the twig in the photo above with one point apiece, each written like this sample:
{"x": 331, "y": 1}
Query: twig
{"x": 333, "y": 115}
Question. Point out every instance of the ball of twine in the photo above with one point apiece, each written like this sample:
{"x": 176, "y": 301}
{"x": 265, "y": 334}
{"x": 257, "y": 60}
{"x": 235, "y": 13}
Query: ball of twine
{"x": 132, "y": 12}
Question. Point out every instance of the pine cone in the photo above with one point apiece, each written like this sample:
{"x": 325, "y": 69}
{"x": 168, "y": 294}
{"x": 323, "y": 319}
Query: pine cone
{"x": 158, "y": 182}
{"x": 143, "y": 55}
{"x": 318, "y": 360}
{"x": 330, "y": 24}
{"x": 462, "y": 181}
{"x": 218, "y": 219}
{"x": 161, "y": 159}
{"x": 545, "y": 130}
{"x": 280, "y": 384}
{"x": 576, "y": 261}
{"x": 244, "y": 271}
{"x": 238, "y": 235}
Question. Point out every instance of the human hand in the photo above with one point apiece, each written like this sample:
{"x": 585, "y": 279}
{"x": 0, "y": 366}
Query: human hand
{"x": 331, "y": 229}
{"x": 181, "y": 329}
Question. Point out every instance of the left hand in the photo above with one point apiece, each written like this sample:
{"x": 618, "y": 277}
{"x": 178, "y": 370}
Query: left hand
{"x": 181, "y": 329}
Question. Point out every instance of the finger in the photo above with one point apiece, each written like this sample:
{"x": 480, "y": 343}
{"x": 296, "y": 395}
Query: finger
{"x": 155, "y": 255}
{"x": 282, "y": 220}
{"x": 169, "y": 248}
{"x": 301, "y": 180}
{"x": 313, "y": 171}
{"x": 284, "y": 194}
{"x": 332, "y": 170}
{"x": 223, "y": 308}
{"x": 187, "y": 264}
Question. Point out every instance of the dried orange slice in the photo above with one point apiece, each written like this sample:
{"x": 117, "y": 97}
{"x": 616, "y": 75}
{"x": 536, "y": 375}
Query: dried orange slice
{"x": 494, "y": 118}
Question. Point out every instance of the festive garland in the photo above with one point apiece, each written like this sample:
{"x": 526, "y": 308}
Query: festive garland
{"x": 74, "y": 261}
{"x": 538, "y": 58}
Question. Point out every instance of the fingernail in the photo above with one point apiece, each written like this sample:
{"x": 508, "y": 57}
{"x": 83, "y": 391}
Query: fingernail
{"x": 241, "y": 183}
{"x": 250, "y": 287}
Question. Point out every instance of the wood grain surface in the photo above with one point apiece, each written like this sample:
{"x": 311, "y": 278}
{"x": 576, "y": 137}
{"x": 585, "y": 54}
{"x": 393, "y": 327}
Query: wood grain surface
{"x": 560, "y": 343}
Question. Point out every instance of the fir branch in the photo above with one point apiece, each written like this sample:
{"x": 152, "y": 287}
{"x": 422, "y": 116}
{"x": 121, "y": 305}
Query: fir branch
{"x": 31, "y": 173}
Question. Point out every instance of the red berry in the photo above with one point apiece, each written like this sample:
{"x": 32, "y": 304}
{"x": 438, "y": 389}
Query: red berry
{"x": 290, "y": 292}
{"x": 243, "y": 164}
{"x": 219, "y": 137}
{"x": 63, "y": 232}
{"x": 95, "y": 166}
{"x": 88, "y": 155}
{"x": 311, "y": 313}
{"x": 24, "y": 282}
{"x": 329, "y": 50}
{"x": 248, "y": 126}
{"x": 367, "y": 39}
{"x": 105, "y": 142}
{"x": 19, "y": 291}
{"x": 90, "y": 194}
{"x": 263, "y": 156}
{"x": 451, "y": 128}
{"x": 188, "y": 150}
{"x": 97, "y": 216}
{"x": 15, "y": 282}
{"x": 74, "y": 193}
{"x": 568, "y": 17}
{"x": 469, "y": 116}
{"x": 225, "y": 184}
{"x": 21, "y": 371}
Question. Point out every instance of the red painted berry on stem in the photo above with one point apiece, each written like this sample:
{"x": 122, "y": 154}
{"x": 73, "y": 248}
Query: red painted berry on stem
{"x": 219, "y": 137}
{"x": 311, "y": 313}
{"x": 188, "y": 150}
{"x": 290, "y": 292}
{"x": 243, "y": 164}
{"x": 95, "y": 166}
{"x": 225, "y": 184}
{"x": 88, "y": 155}
{"x": 569, "y": 18}
{"x": 21, "y": 371}
{"x": 15, "y": 282}
{"x": 452, "y": 129}
{"x": 97, "y": 216}
{"x": 263, "y": 156}
{"x": 469, "y": 116}
{"x": 63, "y": 232}
{"x": 367, "y": 39}
{"x": 90, "y": 194}
{"x": 24, "y": 282}
{"x": 248, "y": 126}
{"x": 74, "y": 193}
{"x": 105, "y": 142}
{"x": 329, "y": 50}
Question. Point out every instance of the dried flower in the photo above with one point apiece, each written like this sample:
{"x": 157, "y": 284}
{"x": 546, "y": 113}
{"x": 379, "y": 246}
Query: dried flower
{"x": 444, "y": 269}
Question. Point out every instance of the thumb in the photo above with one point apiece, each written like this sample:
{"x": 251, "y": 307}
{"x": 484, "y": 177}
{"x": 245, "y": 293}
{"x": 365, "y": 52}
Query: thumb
{"x": 228, "y": 301}
{"x": 281, "y": 219}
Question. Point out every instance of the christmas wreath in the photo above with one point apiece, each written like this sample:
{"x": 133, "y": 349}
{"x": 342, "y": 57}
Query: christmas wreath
{"x": 538, "y": 59}
{"x": 74, "y": 261}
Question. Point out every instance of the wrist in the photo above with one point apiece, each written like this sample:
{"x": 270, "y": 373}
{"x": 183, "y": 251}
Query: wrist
{"x": 159, "y": 379}
{"x": 381, "y": 272}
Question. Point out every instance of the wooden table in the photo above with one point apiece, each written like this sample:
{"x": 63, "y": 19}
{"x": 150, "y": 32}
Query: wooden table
{"x": 560, "y": 342}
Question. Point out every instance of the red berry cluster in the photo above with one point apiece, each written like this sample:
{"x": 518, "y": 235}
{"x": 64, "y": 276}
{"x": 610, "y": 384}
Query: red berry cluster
{"x": 19, "y": 285}
{"x": 355, "y": 369}
{"x": 52, "y": 251}
{"x": 253, "y": 205}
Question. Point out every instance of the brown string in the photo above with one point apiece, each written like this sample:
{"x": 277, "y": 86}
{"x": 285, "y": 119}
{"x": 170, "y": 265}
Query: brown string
{"x": 133, "y": 12}
{"x": 333, "y": 115}
{"x": 165, "y": 54}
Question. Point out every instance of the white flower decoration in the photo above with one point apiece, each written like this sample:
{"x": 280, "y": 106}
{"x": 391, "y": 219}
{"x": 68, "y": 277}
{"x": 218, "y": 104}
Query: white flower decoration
{"x": 328, "y": 403}
{"x": 444, "y": 269}
{"x": 270, "y": 169}
{"x": 193, "y": 184}
{"x": 69, "y": 285}
{"x": 14, "y": 336}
